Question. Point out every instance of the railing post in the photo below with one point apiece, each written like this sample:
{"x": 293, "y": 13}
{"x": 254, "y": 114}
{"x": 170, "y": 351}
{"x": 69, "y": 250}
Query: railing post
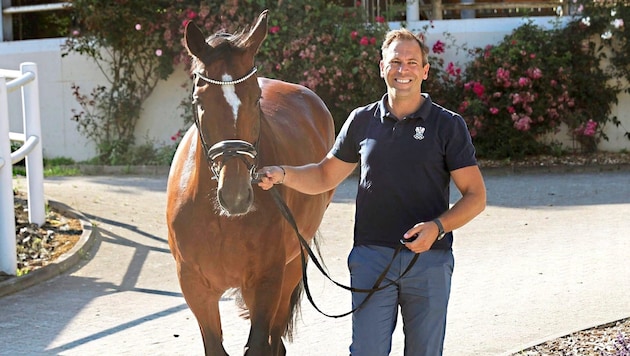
{"x": 6, "y": 22}
{"x": 34, "y": 160}
{"x": 8, "y": 258}
{"x": 436, "y": 9}
{"x": 413, "y": 10}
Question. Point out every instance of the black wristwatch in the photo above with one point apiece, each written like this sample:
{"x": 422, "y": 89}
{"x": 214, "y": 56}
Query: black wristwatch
{"x": 441, "y": 232}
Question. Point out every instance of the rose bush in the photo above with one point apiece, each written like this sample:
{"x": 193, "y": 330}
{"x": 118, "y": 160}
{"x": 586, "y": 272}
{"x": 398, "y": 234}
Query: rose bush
{"x": 515, "y": 92}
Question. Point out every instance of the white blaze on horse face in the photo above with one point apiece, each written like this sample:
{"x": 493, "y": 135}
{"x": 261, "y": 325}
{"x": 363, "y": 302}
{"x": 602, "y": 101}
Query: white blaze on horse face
{"x": 229, "y": 93}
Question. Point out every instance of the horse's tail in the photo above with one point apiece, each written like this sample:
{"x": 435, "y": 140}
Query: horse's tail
{"x": 298, "y": 292}
{"x": 294, "y": 311}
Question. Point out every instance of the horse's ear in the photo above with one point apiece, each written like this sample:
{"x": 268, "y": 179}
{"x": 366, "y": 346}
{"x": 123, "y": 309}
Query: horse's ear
{"x": 194, "y": 40}
{"x": 258, "y": 33}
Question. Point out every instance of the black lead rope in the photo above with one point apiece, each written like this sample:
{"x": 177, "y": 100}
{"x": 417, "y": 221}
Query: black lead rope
{"x": 286, "y": 212}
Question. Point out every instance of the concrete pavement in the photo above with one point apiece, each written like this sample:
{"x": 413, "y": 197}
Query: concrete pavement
{"x": 547, "y": 257}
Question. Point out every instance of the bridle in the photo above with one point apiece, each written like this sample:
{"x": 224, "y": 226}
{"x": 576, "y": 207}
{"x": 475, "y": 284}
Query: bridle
{"x": 223, "y": 151}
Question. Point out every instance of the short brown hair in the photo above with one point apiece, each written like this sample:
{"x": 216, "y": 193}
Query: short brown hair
{"x": 404, "y": 34}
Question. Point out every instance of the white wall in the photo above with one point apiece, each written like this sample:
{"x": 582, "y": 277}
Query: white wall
{"x": 161, "y": 118}
{"x": 158, "y": 122}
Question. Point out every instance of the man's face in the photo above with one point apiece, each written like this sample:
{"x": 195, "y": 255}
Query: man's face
{"x": 402, "y": 68}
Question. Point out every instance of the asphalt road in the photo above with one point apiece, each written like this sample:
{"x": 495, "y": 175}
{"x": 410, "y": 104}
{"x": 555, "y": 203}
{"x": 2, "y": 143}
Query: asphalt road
{"x": 548, "y": 256}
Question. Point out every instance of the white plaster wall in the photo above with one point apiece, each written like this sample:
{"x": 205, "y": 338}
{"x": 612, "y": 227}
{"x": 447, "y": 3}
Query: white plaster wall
{"x": 158, "y": 122}
{"x": 161, "y": 117}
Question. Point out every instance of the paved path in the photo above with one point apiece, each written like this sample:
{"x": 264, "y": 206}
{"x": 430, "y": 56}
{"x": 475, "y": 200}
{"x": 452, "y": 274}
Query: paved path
{"x": 548, "y": 256}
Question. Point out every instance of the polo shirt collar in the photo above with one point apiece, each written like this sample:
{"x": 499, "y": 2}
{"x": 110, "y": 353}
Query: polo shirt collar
{"x": 423, "y": 111}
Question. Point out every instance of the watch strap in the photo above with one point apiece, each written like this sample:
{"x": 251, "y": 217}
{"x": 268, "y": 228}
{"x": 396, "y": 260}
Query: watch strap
{"x": 440, "y": 228}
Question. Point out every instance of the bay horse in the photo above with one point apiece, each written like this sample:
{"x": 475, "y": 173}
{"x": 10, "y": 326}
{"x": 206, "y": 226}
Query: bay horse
{"x": 224, "y": 233}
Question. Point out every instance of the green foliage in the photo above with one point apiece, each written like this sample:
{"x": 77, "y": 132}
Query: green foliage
{"x": 334, "y": 51}
{"x": 124, "y": 38}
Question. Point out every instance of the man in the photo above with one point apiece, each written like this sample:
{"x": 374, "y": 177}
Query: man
{"x": 409, "y": 149}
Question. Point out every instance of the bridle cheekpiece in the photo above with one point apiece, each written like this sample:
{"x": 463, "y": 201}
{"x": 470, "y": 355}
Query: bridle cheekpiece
{"x": 224, "y": 150}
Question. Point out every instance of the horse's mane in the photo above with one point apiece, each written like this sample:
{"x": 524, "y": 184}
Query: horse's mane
{"x": 222, "y": 42}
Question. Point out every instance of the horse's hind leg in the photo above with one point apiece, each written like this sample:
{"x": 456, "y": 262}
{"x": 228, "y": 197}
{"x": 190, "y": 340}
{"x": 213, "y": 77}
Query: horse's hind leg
{"x": 204, "y": 303}
{"x": 289, "y": 305}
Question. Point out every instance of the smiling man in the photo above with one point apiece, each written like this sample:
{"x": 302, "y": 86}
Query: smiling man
{"x": 409, "y": 149}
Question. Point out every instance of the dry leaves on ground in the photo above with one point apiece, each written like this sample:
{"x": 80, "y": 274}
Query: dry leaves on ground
{"x": 38, "y": 246}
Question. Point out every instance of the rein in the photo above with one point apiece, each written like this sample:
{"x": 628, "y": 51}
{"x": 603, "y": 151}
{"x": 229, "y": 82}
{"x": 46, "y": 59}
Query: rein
{"x": 286, "y": 212}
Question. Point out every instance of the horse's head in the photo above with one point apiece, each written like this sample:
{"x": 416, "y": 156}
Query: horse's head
{"x": 227, "y": 111}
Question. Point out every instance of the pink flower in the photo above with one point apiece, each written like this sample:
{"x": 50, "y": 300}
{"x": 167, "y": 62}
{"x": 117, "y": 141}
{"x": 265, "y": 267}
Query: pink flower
{"x": 553, "y": 83}
{"x": 373, "y": 41}
{"x": 364, "y": 41}
{"x": 523, "y": 123}
{"x": 511, "y": 109}
{"x": 191, "y": 14}
{"x": 478, "y": 89}
{"x": 75, "y": 33}
{"x": 354, "y": 34}
{"x": 274, "y": 29}
{"x": 517, "y": 98}
{"x": 138, "y": 27}
{"x": 494, "y": 110}
{"x": 503, "y": 76}
{"x": 438, "y": 47}
{"x": 523, "y": 82}
{"x": 590, "y": 128}
{"x": 379, "y": 19}
{"x": 452, "y": 70}
{"x": 463, "y": 106}
{"x": 158, "y": 52}
{"x": 534, "y": 73}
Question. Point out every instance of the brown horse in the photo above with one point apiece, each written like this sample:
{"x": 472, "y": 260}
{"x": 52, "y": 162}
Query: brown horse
{"x": 223, "y": 232}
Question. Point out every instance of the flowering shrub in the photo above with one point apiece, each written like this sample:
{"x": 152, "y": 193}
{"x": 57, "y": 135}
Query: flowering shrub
{"x": 333, "y": 50}
{"x": 123, "y": 38}
{"x": 527, "y": 86}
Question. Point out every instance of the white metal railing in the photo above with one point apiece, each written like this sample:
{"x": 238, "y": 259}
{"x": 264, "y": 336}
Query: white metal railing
{"x": 31, "y": 150}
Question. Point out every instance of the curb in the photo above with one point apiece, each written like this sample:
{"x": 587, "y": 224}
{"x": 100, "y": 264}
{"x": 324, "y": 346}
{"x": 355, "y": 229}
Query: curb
{"x": 556, "y": 169}
{"x": 519, "y": 350}
{"x": 63, "y": 263}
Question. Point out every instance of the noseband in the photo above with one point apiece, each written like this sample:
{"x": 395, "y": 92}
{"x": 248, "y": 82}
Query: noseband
{"x": 222, "y": 151}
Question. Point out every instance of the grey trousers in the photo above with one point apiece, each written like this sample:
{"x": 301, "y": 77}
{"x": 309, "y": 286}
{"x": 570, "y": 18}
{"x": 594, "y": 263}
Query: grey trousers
{"x": 422, "y": 295}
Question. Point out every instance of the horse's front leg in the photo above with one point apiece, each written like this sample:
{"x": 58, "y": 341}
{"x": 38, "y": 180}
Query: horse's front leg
{"x": 204, "y": 303}
{"x": 262, "y": 296}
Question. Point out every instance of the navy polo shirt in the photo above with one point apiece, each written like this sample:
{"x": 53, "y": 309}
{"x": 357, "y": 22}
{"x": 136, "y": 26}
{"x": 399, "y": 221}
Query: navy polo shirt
{"x": 405, "y": 168}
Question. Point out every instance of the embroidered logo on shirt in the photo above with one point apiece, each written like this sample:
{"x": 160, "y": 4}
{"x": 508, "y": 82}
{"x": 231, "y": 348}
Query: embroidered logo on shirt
{"x": 419, "y": 133}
